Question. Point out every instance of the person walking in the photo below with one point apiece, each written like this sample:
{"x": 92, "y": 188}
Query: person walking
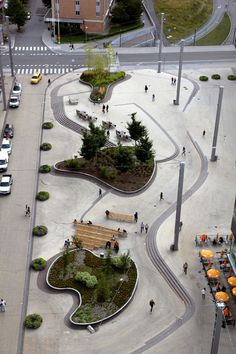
{"x": 145, "y": 88}
{"x": 26, "y": 208}
{"x": 172, "y": 81}
{"x": 49, "y": 82}
{"x": 142, "y": 227}
{"x": 203, "y": 291}
{"x": 153, "y": 97}
{"x": 3, "y": 305}
{"x": 203, "y": 133}
{"x": 107, "y": 108}
{"x": 28, "y": 211}
{"x": 136, "y": 216}
{"x": 103, "y": 108}
{"x": 146, "y": 228}
{"x": 185, "y": 268}
{"x": 100, "y": 192}
{"x": 151, "y": 303}
{"x": 180, "y": 225}
{"x": 161, "y": 196}
{"x": 183, "y": 151}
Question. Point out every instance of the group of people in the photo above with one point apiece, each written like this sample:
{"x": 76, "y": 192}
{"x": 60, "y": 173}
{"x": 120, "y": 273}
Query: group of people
{"x": 173, "y": 81}
{"x": 105, "y": 108}
{"x": 27, "y": 210}
{"x": 144, "y": 227}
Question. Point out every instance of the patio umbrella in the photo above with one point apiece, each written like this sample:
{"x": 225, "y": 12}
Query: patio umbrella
{"x": 221, "y": 296}
{"x": 232, "y": 281}
{"x": 234, "y": 291}
{"x": 213, "y": 273}
{"x": 206, "y": 253}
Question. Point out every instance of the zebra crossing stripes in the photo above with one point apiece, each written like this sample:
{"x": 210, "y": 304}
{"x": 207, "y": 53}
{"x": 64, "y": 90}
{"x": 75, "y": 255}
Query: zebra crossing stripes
{"x": 45, "y": 71}
{"x": 30, "y": 49}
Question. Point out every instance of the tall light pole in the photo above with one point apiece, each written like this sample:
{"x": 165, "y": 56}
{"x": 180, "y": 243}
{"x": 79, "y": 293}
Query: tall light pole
{"x": 217, "y": 328}
{"x": 176, "y": 101}
{"x": 160, "y": 43}
{"x": 53, "y": 19}
{"x": 58, "y": 22}
{"x": 3, "y": 84}
{"x": 217, "y": 122}
{"x": 9, "y": 44}
{"x": 174, "y": 247}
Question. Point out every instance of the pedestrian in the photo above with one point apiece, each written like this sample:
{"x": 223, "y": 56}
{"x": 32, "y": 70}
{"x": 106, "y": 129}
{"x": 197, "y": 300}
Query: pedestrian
{"x": 203, "y": 133}
{"x": 107, "y": 108}
{"x": 100, "y": 192}
{"x": 3, "y": 305}
{"x": 172, "y": 81}
{"x": 72, "y": 46}
{"x": 26, "y": 208}
{"x": 183, "y": 151}
{"x": 142, "y": 227}
{"x": 153, "y": 97}
{"x": 108, "y": 134}
{"x": 151, "y": 303}
{"x": 28, "y": 211}
{"x": 146, "y": 228}
{"x": 103, "y": 108}
{"x": 161, "y": 196}
{"x": 180, "y": 225}
{"x": 136, "y": 216}
{"x": 203, "y": 293}
{"x": 145, "y": 88}
{"x": 49, "y": 82}
{"x": 185, "y": 267}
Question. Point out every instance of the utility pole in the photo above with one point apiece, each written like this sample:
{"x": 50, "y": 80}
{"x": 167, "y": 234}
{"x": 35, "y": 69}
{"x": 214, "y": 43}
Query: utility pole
{"x": 58, "y": 22}
{"x": 194, "y": 37}
{"x": 160, "y": 42}
{"x": 174, "y": 247}
{"x": 176, "y": 101}
{"x": 217, "y": 122}
{"x": 217, "y": 328}
{"x": 3, "y": 84}
{"x": 9, "y": 44}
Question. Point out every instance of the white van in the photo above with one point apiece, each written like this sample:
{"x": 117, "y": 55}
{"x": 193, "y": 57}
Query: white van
{"x": 3, "y": 160}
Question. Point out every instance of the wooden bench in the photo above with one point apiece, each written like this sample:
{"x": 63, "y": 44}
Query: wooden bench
{"x": 120, "y": 217}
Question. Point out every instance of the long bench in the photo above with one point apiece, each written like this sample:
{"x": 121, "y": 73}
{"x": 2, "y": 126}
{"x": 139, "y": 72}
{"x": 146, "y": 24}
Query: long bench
{"x": 120, "y": 217}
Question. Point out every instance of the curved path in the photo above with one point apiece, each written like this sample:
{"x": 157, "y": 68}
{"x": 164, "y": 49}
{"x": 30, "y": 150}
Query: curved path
{"x": 151, "y": 244}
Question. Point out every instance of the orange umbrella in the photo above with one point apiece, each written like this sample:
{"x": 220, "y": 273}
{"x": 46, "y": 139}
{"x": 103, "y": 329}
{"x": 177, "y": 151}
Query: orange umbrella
{"x": 213, "y": 273}
{"x": 234, "y": 291}
{"x": 232, "y": 281}
{"x": 206, "y": 254}
{"x": 221, "y": 296}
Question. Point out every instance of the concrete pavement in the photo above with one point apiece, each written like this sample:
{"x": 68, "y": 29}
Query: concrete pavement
{"x": 208, "y": 209}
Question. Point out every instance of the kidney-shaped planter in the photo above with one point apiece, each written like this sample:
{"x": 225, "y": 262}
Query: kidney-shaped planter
{"x": 80, "y": 297}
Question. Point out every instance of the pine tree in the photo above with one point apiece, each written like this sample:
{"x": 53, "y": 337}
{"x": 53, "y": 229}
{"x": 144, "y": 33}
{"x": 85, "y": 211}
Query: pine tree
{"x": 17, "y": 13}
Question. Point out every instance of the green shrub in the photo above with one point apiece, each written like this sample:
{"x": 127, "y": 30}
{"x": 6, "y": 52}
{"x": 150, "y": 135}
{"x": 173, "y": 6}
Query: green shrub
{"x": 107, "y": 172}
{"x": 33, "y": 321}
{"x": 40, "y": 230}
{"x": 38, "y": 264}
{"x": 45, "y": 146}
{"x": 215, "y": 77}
{"x": 42, "y": 196}
{"x": 231, "y": 77}
{"x": 203, "y": 78}
{"x": 47, "y": 125}
{"x": 123, "y": 262}
{"x": 45, "y": 169}
{"x": 72, "y": 163}
{"x": 87, "y": 279}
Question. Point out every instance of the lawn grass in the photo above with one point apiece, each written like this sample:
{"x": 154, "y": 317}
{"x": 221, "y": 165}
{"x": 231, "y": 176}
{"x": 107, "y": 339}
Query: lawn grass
{"x": 218, "y": 35}
{"x": 183, "y": 16}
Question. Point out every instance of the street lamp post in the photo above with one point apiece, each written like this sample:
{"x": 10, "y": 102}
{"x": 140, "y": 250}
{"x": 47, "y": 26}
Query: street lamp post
{"x": 58, "y": 22}
{"x": 194, "y": 37}
{"x": 176, "y": 101}
{"x": 217, "y": 122}
{"x": 3, "y": 84}
{"x": 160, "y": 42}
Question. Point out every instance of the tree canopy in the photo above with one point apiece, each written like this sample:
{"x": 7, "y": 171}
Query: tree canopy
{"x": 17, "y": 13}
{"x": 127, "y": 11}
{"x": 93, "y": 140}
{"x": 136, "y": 129}
{"x": 47, "y": 3}
{"x": 144, "y": 150}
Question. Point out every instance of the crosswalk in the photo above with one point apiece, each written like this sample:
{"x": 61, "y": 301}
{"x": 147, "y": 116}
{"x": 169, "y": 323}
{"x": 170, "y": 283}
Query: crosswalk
{"x": 31, "y": 49}
{"x": 46, "y": 70}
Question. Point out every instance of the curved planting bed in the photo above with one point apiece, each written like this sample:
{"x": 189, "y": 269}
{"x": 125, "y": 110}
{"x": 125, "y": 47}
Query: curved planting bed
{"x": 104, "y": 285}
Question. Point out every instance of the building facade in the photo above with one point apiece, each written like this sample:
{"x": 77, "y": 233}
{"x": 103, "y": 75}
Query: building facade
{"x": 232, "y": 255}
{"x": 91, "y": 15}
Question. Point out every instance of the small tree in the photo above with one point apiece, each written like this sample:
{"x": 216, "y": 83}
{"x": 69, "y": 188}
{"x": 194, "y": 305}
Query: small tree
{"x": 111, "y": 58}
{"x": 17, "y": 13}
{"x": 136, "y": 129}
{"x": 127, "y": 11}
{"x": 89, "y": 57}
{"x": 78, "y": 243}
{"x": 124, "y": 159}
{"x": 92, "y": 141}
{"x": 143, "y": 150}
{"x": 47, "y": 3}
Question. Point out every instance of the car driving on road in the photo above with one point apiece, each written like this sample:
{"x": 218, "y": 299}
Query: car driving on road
{"x": 37, "y": 76}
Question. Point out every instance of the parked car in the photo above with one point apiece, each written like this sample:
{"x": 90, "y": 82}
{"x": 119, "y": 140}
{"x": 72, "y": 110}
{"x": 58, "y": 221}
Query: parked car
{"x": 3, "y": 160}
{"x": 8, "y": 131}
{"x": 16, "y": 91}
{"x": 14, "y": 101}
{"x": 6, "y": 145}
{"x": 37, "y": 76}
{"x": 5, "y": 184}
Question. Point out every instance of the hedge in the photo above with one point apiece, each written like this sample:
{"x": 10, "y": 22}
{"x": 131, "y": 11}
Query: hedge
{"x": 39, "y": 264}
{"x": 203, "y": 78}
{"x": 33, "y": 321}
{"x": 40, "y": 230}
{"x": 45, "y": 146}
{"x": 47, "y": 125}
{"x": 42, "y": 196}
{"x": 45, "y": 169}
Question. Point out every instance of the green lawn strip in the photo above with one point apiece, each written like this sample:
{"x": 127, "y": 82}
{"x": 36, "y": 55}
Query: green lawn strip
{"x": 218, "y": 35}
{"x": 183, "y": 17}
{"x": 63, "y": 272}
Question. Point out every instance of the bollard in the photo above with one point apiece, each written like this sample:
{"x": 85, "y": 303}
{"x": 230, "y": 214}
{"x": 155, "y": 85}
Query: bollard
{"x": 90, "y": 329}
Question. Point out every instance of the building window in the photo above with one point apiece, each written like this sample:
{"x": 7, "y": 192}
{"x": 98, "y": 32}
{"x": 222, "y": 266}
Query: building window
{"x": 97, "y": 7}
{"x": 77, "y": 7}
